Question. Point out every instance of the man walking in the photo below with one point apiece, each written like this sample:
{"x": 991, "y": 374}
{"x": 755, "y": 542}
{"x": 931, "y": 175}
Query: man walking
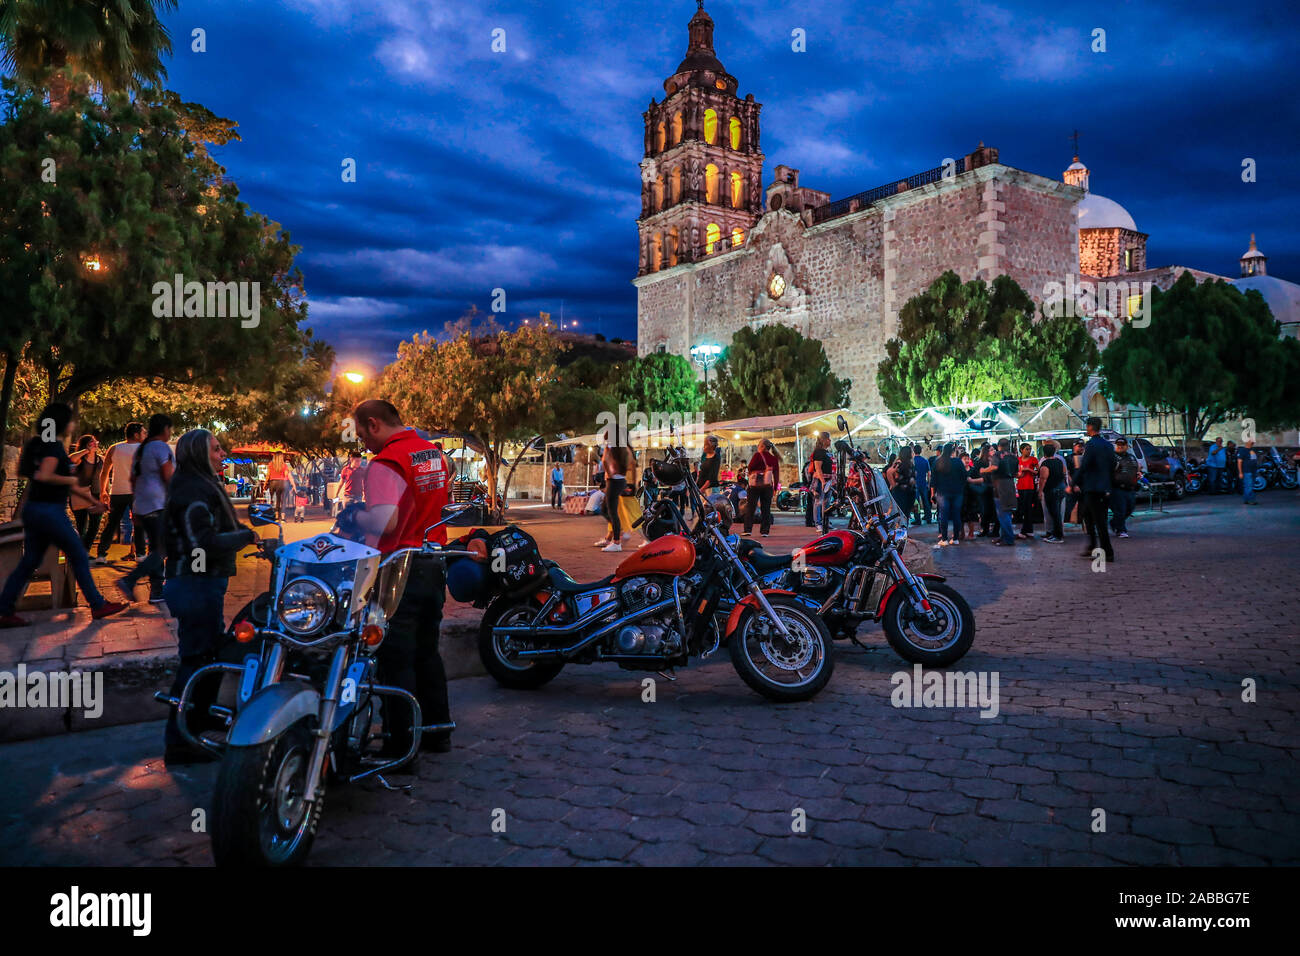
{"x": 407, "y": 486}
{"x": 1216, "y": 459}
{"x": 151, "y": 472}
{"x": 1123, "y": 497}
{"x": 1093, "y": 484}
{"x": 1002, "y": 469}
{"x": 116, "y": 482}
{"x": 1052, "y": 477}
{"x": 1247, "y": 465}
{"x": 921, "y": 466}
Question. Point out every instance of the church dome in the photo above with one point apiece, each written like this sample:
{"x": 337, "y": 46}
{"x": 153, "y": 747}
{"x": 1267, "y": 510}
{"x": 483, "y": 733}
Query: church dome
{"x": 1283, "y": 297}
{"x": 700, "y": 55}
{"x": 1098, "y": 212}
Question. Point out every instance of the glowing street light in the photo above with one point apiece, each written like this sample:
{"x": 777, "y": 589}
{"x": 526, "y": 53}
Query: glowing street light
{"x": 356, "y": 378}
{"x": 706, "y": 355}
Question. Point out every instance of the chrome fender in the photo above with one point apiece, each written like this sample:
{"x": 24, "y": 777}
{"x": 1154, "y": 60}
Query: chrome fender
{"x": 271, "y": 711}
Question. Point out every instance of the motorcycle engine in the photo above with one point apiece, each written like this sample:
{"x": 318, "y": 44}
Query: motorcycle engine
{"x": 648, "y": 638}
{"x": 637, "y": 593}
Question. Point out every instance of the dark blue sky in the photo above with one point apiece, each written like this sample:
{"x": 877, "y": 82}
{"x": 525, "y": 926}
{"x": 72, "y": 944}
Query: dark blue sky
{"x": 518, "y": 170}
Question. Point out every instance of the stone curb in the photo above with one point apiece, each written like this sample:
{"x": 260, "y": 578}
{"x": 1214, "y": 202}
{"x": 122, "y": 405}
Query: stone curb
{"x": 129, "y": 686}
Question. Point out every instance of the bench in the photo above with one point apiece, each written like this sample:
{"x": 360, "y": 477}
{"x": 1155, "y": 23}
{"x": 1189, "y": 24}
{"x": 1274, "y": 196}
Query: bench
{"x": 63, "y": 583}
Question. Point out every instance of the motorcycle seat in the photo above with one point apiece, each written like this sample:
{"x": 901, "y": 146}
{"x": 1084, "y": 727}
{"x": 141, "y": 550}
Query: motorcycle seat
{"x": 561, "y": 581}
{"x": 763, "y": 560}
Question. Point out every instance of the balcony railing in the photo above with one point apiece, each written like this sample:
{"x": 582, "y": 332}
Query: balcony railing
{"x": 842, "y": 207}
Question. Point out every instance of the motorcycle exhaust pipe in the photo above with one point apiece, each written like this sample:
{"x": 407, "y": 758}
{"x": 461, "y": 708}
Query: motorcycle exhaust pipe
{"x": 553, "y": 652}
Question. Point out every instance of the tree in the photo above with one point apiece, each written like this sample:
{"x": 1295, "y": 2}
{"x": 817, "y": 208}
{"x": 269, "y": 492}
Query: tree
{"x": 660, "y": 383}
{"x": 962, "y": 342}
{"x": 119, "y": 43}
{"x": 494, "y": 385}
{"x": 129, "y": 206}
{"x": 1210, "y": 353}
{"x": 774, "y": 370}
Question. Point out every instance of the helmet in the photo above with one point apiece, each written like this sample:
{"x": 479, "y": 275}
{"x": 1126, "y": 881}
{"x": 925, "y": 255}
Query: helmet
{"x": 466, "y": 579}
{"x": 667, "y": 472}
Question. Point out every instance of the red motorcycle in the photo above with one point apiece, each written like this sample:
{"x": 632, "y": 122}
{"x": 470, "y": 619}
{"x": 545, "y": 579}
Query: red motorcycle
{"x": 858, "y": 575}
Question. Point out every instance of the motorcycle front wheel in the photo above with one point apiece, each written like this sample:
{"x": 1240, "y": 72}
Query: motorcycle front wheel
{"x": 495, "y": 654}
{"x": 259, "y": 817}
{"x": 919, "y": 641}
{"x": 1288, "y": 481}
{"x": 1193, "y": 486}
{"x": 781, "y": 668}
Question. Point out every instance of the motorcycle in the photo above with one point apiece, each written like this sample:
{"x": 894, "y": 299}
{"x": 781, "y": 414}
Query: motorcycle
{"x": 677, "y": 598}
{"x": 1274, "y": 472}
{"x": 307, "y": 703}
{"x": 925, "y": 621}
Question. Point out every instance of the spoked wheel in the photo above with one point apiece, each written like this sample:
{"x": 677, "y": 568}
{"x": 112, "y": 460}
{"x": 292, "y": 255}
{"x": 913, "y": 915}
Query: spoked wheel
{"x": 1193, "y": 486}
{"x": 1180, "y": 488}
{"x": 778, "y": 667}
{"x": 920, "y": 641}
{"x": 498, "y": 652}
{"x": 259, "y": 816}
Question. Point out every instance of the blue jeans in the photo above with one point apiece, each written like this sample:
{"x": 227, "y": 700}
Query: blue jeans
{"x": 922, "y": 505}
{"x": 1247, "y": 486}
{"x": 198, "y": 603}
{"x": 950, "y": 512}
{"x": 819, "y": 499}
{"x": 1215, "y": 475}
{"x": 1005, "y": 520}
{"x": 45, "y": 524}
{"x": 1122, "y": 504}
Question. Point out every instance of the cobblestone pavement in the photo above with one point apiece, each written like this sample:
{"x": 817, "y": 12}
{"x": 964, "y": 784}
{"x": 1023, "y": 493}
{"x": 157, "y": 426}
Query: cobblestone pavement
{"x": 1119, "y": 692}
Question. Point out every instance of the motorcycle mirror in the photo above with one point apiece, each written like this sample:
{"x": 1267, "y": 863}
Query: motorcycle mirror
{"x": 260, "y": 514}
{"x": 841, "y": 423}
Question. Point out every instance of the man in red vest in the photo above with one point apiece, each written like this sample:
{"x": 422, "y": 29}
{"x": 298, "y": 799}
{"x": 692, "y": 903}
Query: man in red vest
{"x": 407, "y": 484}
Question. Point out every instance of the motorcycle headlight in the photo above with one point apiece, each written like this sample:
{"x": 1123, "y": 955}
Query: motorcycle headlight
{"x": 305, "y": 605}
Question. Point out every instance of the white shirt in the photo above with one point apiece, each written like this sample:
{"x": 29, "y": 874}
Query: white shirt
{"x": 123, "y": 454}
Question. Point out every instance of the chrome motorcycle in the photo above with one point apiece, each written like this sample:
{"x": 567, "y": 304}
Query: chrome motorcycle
{"x": 308, "y": 708}
{"x": 680, "y": 596}
{"x": 858, "y": 574}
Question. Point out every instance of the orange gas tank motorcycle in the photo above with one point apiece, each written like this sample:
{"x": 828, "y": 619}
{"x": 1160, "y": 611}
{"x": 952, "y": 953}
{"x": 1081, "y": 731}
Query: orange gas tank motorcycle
{"x": 681, "y": 596}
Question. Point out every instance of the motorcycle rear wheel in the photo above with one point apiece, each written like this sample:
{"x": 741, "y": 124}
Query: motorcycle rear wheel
{"x": 508, "y": 673}
{"x": 258, "y": 815}
{"x": 762, "y": 656}
{"x": 919, "y": 642}
{"x": 1260, "y": 481}
{"x": 783, "y": 500}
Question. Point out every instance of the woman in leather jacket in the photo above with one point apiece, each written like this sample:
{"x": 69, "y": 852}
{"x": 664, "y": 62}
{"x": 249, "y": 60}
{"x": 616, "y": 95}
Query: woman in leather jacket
{"x": 202, "y": 539}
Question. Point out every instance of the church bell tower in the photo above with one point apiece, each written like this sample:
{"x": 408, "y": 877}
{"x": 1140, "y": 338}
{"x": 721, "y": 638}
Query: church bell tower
{"x": 701, "y": 178}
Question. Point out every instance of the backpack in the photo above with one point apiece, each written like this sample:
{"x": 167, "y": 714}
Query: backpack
{"x": 1126, "y": 473}
{"x": 1008, "y": 466}
{"x": 514, "y": 560}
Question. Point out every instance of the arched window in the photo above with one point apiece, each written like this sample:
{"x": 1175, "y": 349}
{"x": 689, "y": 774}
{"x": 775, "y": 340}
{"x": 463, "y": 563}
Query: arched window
{"x": 677, "y": 184}
{"x": 737, "y": 190}
{"x": 710, "y": 183}
{"x": 657, "y": 251}
{"x": 737, "y": 237}
{"x": 672, "y": 246}
{"x": 712, "y": 236}
{"x": 677, "y": 128}
{"x": 661, "y": 137}
{"x": 659, "y": 194}
{"x": 735, "y": 133}
{"x": 710, "y": 126}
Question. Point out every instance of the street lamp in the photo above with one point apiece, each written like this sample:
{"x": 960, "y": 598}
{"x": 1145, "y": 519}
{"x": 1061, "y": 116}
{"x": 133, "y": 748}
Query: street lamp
{"x": 356, "y": 378}
{"x": 706, "y": 356}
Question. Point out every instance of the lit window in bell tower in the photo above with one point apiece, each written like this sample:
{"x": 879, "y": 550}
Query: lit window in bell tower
{"x": 677, "y": 128}
{"x": 710, "y": 126}
{"x": 712, "y": 236}
{"x": 735, "y": 133}
{"x": 711, "y": 184}
{"x": 661, "y": 138}
{"x": 737, "y": 190}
